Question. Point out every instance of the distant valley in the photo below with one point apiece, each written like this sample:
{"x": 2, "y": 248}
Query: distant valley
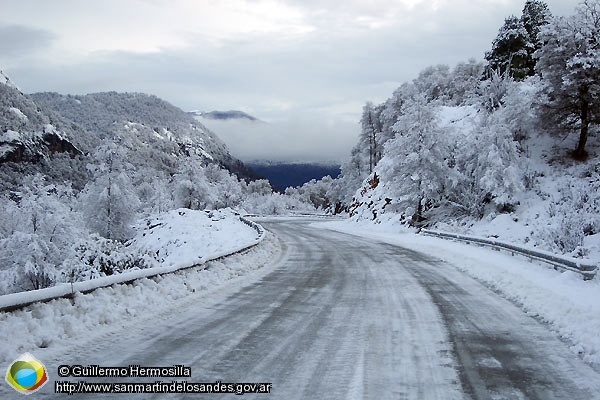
{"x": 283, "y": 175}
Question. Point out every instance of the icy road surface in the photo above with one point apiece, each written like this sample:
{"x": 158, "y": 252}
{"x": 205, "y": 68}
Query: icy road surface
{"x": 342, "y": 317}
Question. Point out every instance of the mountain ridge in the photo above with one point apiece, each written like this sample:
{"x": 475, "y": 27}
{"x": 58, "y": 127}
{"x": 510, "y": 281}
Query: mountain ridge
{"x": 224, "y": 115}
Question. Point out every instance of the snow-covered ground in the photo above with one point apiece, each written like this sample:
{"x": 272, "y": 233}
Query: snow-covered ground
{"x": 181, "y": 238}
{"x": 569, "y": 305}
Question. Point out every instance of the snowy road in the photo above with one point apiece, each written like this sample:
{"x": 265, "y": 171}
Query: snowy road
{"x": 342, "y": 317}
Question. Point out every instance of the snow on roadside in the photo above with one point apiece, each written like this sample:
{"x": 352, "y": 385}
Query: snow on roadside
{"x": 569, "y": 305}
{"x": 174, "y": 240}
{"x": 184, "y": 237}
{"x": 47, "y": 329}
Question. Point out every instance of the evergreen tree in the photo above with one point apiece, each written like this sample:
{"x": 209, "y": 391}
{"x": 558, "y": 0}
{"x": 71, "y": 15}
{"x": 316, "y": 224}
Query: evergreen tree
{"x": 535, "y": 15}
{"x": 569, "y": 64}
{"x": 510, "y": 50}
{"x": 517, "y": 40}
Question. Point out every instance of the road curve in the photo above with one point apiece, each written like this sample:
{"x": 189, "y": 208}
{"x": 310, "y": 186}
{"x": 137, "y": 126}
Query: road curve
{"x": 344, "y": 317}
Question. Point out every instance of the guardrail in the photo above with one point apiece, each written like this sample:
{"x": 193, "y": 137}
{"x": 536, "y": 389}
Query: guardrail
{"x": 586, "y": 269}
{"x": 259, "y": 229}
{"x": 15, "y": 301}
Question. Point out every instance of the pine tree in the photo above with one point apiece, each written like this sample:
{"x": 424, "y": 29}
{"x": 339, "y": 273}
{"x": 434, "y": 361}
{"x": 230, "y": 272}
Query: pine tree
{"x": 510, "y": 49}
{"x": 569, "y": 64}
{"x": 535, "y": 15}
{"x": 517, "y": 40}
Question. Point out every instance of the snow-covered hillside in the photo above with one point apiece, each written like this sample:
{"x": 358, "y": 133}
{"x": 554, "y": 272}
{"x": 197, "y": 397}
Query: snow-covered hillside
{"x": 529, "y": 192}
{"x": 150, "y": 128}
{"x": 30, "y": 132}
{"x": 561, "y": 210}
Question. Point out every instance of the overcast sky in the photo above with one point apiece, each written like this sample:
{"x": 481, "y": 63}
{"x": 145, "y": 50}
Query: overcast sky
{"x": 306, "y": 67}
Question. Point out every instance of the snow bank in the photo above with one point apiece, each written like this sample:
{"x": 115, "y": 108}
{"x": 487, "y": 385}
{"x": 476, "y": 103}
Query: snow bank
{"x": 50, "y": 329}
{"x": 185, "y": 237}
{"x": 569, "y": 305}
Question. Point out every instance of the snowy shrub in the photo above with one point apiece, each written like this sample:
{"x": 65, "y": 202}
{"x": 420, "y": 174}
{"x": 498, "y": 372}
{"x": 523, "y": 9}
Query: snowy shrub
{"x": 99, "y": 256}
{"x": 492, "y": 91}
{"x": 274, "y": 204}
{"x": 31, "y": 259}
{"x": 571, "y": 217}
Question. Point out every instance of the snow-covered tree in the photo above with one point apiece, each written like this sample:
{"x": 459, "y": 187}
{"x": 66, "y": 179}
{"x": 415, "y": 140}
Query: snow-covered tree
{"x": 517, "y": 108}
{"x": 535, "y": 15}
{"x": 489, "y": 172}
{"x": 261, "y": 187}
{"x": 393, "y": 110}
{"x": 492, "y": 91}
{"x": 38, "y": 235}
{"x": 191, "y": 187}
{"x": 464, "y": 81}
{"x": 155, "y": 192}
{"x": 510, "y": 49}
{"x": 513, "y": 49}
{"x": 435, "y": 82}
{"x": 226, "y": 187}
{"x": 109, "y": 202}
{"x": 416, "y": 169}
{"x": 569, "y": 64}
{"x": 314, "y": 192}
{"x": 370, "y": 132}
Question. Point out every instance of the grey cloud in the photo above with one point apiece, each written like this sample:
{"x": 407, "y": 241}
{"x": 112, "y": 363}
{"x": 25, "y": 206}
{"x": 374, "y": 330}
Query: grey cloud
{"x": 19, "y": 40}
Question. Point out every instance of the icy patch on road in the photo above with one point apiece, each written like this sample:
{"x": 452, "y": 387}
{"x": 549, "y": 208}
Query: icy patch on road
{"x": 49, "y": 329}
{"x": 569, "y": 305}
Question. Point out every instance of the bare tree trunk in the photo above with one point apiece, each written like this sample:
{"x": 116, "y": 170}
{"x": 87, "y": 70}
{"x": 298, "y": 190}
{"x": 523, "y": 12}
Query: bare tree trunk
{"x": 585, "y": 123}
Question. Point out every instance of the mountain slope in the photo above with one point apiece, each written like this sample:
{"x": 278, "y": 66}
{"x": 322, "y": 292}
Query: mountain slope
{"x": 146, "y": 125}
{"x": 30, "y": 132}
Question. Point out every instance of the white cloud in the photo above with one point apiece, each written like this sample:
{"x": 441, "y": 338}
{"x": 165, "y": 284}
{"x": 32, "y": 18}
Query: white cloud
{"x": 300, "y": 137}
